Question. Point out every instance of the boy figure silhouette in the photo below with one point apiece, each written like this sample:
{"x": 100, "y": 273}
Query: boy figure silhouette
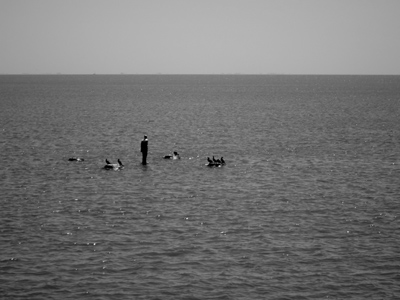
{"x": 144, "y": 149}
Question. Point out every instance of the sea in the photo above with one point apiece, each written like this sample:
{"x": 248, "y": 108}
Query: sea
{"x": 306, "y": 206}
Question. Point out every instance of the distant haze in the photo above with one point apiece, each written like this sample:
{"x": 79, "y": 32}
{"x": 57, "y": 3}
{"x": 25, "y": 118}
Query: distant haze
{"x": 200, "y": 36}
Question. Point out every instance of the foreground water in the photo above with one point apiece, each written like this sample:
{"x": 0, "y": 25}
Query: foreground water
{"x": 305, "y": 208}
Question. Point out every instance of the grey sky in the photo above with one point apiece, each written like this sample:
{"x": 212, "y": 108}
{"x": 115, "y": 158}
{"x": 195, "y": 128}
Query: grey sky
{"x": 200, "y": 37}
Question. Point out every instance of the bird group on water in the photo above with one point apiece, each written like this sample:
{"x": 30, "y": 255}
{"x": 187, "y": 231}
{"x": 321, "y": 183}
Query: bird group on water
{"x": 144, "y": 150}
{"x": 110, "y": 166}
{"x": 119, "y": 165}
{"x": 215, "y": 162}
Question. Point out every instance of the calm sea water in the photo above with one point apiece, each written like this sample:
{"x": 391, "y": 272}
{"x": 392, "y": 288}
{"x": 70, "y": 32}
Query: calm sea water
{"x": 306, "y": 207}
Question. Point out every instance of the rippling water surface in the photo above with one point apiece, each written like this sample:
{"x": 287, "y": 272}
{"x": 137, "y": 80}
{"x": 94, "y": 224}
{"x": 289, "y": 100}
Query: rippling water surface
{"x": 306, "y": 207}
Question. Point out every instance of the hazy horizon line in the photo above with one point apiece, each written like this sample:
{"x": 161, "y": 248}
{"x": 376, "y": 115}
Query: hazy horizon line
{"x": 196, "y": 74}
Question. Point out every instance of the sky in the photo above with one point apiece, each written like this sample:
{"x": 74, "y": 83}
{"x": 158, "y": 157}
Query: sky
{"x": 200, "y": 36}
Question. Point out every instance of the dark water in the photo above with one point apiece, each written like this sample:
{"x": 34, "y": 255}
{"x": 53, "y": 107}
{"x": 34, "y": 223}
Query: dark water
{"x": 307, "y": 206}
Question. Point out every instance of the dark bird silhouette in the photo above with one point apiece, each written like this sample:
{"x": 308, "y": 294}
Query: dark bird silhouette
{"x": 173, "y": 156}
{"x": 120, "y": 163}
{"x": 209, "y": 160}
{"x": 108, "y": 162}
{"x": 222, "y": 160}
{"x": 75, "y": 159}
